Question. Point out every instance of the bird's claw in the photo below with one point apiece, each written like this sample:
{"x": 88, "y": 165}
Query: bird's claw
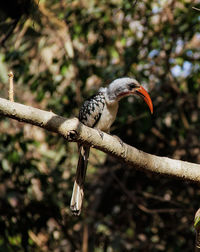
{"x": 100, "y": 133}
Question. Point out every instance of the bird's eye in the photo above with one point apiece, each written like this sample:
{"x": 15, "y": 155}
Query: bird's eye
{"x": 131, "y": 86}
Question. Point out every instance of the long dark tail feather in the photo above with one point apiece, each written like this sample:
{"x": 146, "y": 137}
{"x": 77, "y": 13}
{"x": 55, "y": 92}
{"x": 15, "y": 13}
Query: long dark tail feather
{"x": 78, "y": 193}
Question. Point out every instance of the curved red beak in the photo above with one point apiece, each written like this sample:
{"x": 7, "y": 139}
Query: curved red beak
{"x": 143, "y": 93}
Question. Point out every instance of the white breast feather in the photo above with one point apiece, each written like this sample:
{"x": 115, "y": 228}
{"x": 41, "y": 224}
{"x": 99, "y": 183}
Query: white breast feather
{"x": 107, "y": 117}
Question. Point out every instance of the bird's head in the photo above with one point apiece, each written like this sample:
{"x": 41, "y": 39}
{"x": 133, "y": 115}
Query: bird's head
{"x": 122, "y": 87}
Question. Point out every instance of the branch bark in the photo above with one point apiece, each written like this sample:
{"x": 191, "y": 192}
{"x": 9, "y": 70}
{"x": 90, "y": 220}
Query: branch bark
{"x": 73, "y": 130}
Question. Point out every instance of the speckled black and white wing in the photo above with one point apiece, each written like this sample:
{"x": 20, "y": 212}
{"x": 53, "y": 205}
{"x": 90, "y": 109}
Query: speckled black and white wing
{"x": 92, "y": 109}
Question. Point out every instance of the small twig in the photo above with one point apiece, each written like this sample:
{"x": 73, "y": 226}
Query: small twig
{"x": 161, "y": 199}
{"x": 134, "y": 4}
{"x": 10, "y": 32}
{"x": 140, "y": 206}
{"x": 20, "y": 34}
{"x": 197, "y": 229}
{"x": 11, "y": 90}
{"x": 85, "y": 238}
{"x": 196, "y": 8}
{"x": 157, "y": 211}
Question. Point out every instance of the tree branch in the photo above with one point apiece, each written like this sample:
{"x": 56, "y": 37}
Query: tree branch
{"x": 73, "y": 130}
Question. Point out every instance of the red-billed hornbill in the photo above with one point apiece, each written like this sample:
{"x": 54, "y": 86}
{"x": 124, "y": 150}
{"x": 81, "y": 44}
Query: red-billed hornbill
{"x": 99, "y": 111}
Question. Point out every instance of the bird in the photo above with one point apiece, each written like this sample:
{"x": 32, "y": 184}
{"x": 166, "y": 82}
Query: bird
{"x": 100, "y": 111}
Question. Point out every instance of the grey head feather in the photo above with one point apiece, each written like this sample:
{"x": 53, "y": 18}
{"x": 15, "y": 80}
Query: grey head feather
{"x": 120, "y": 86}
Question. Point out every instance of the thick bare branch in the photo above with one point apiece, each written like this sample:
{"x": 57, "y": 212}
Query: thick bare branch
{"x": 73, "y": 130}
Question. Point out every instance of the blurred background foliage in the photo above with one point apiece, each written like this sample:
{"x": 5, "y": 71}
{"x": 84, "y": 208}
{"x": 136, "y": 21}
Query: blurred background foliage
{"x": 62, "y": 51}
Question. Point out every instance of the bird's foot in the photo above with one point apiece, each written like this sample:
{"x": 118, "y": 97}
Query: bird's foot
{"x": 100, "y": 133}
{"x": 119, "y": 139}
